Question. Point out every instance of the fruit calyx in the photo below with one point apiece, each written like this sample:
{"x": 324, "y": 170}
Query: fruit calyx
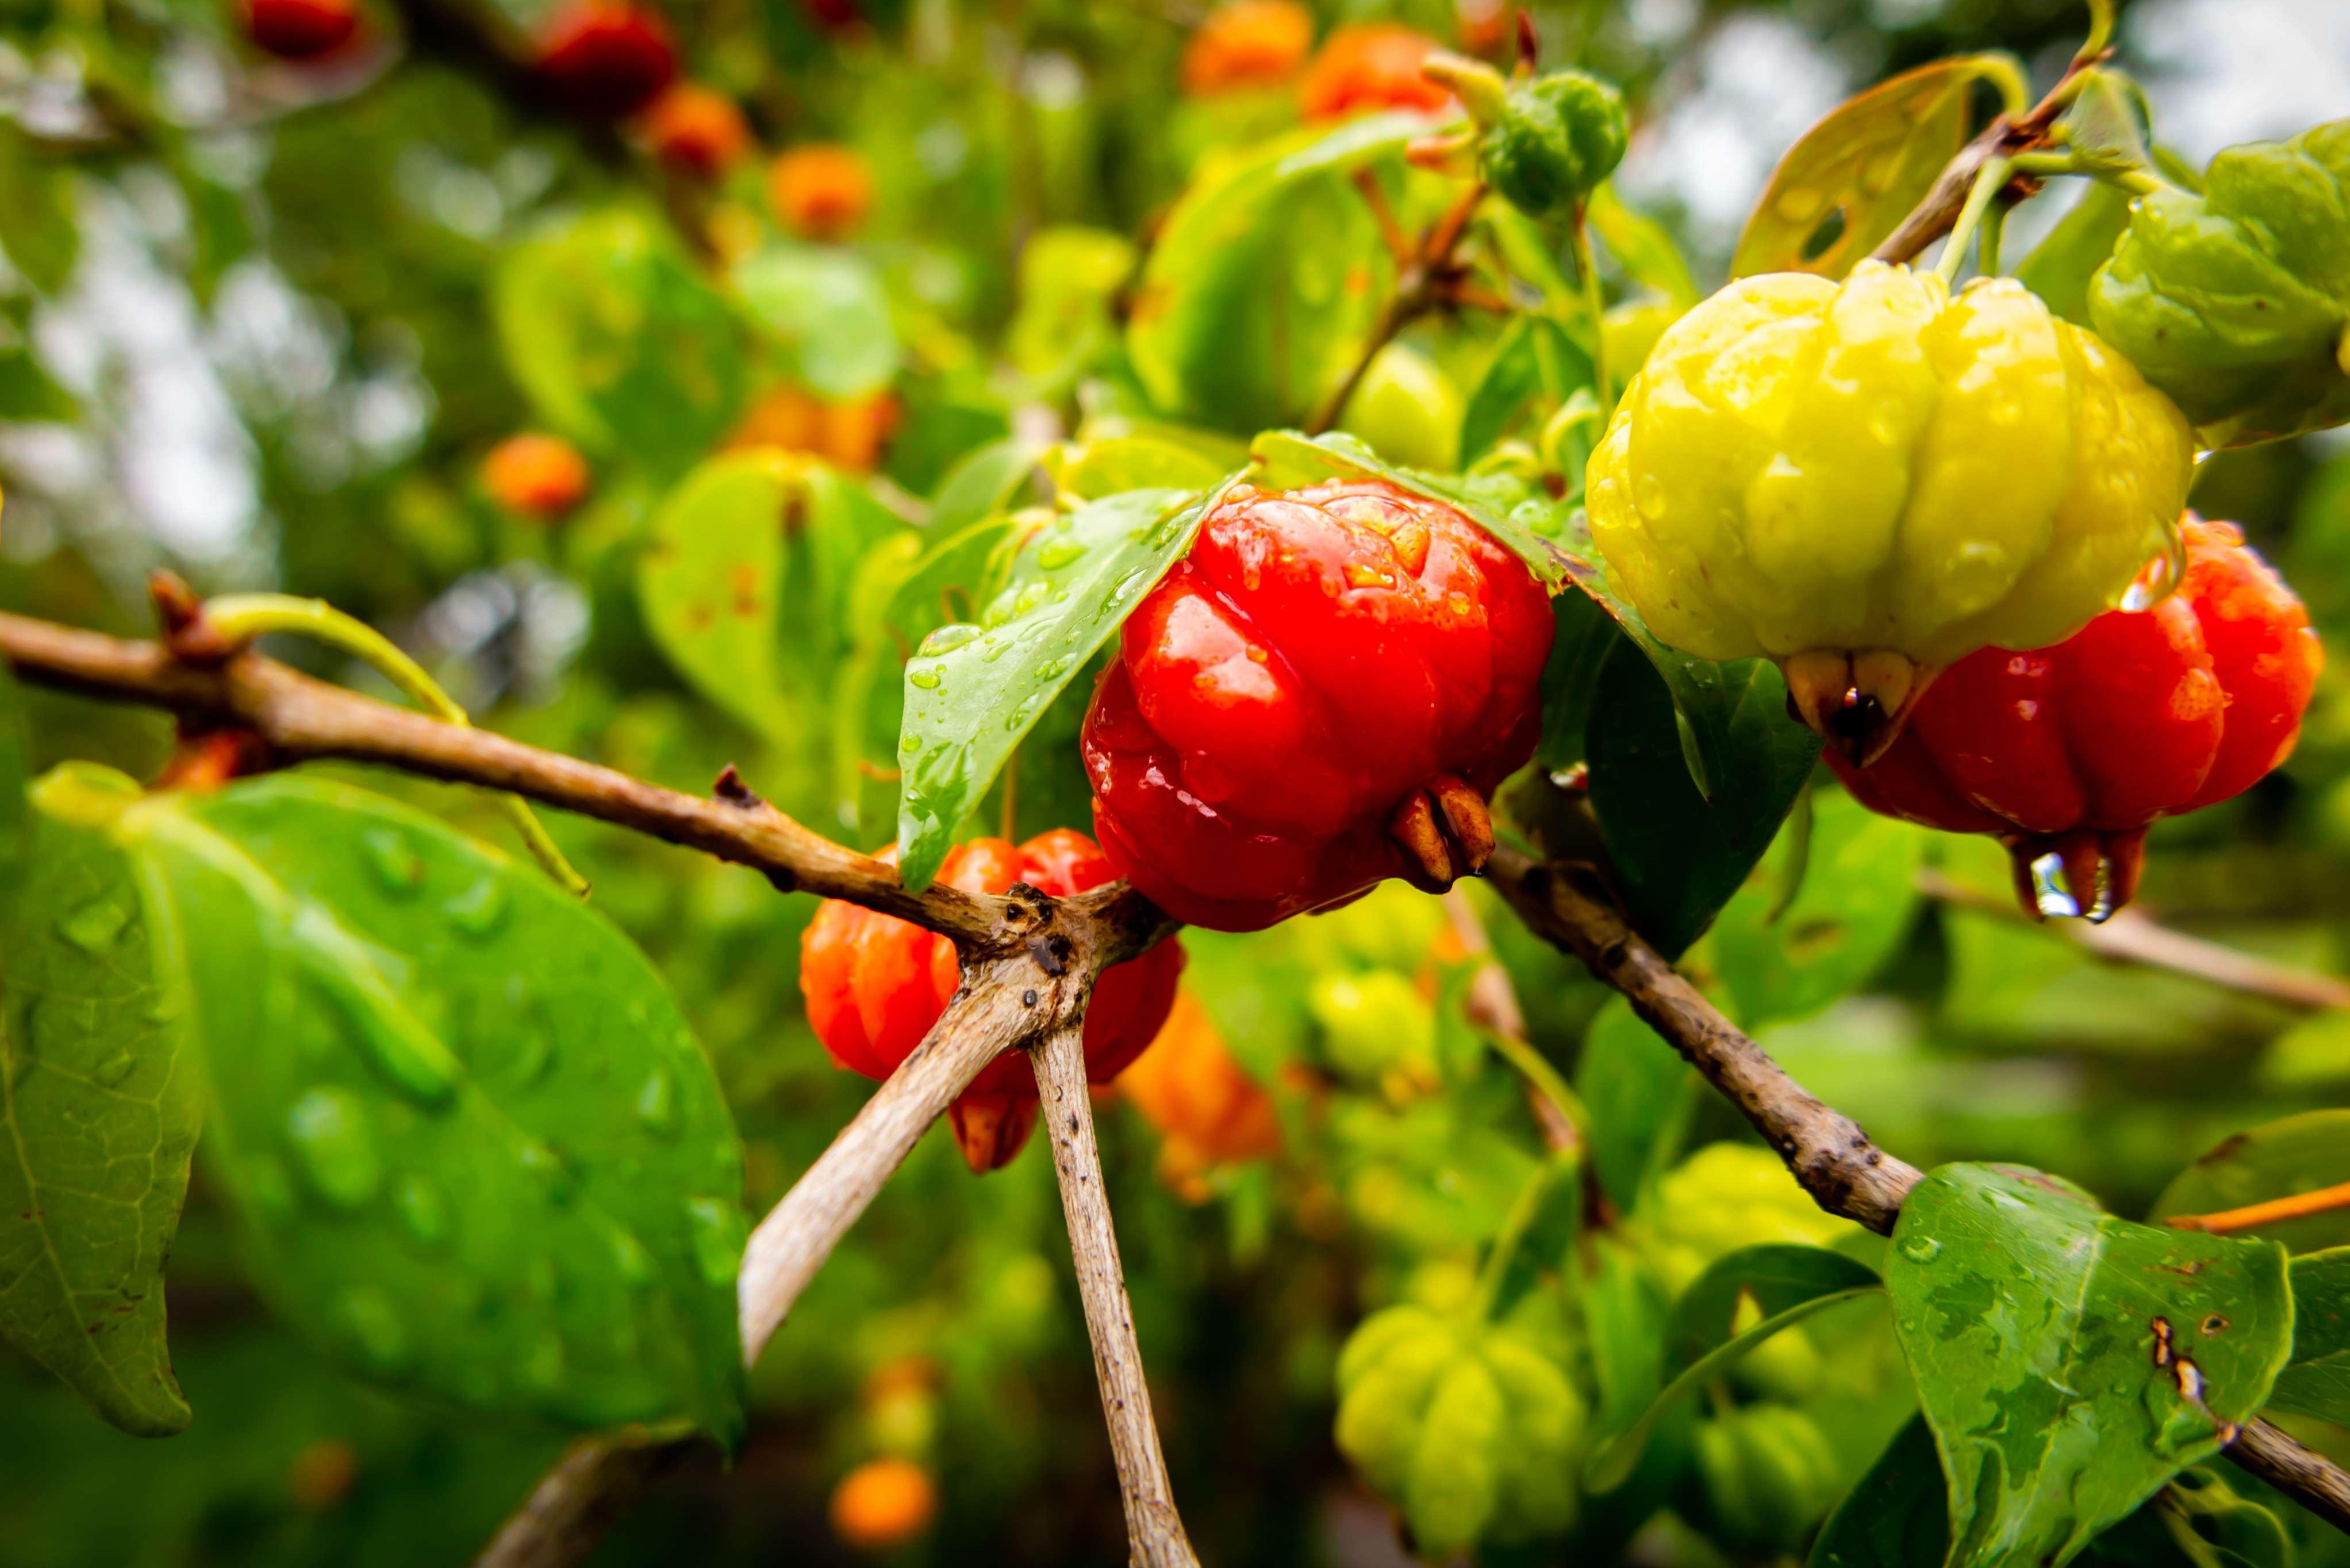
{"x": 1855, "y": 701}
{"x": 1443, "y": 831}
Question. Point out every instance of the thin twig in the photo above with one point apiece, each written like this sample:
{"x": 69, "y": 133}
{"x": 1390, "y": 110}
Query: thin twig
{"x": 576, "y": 1504}
{"x": 2302, "y": 1474}
{"x": 1424, "y": 282}
{"x": 2131, "y": 937}
{"x": 1155, "y": 1536}
{"x": 2252, "y": 1215}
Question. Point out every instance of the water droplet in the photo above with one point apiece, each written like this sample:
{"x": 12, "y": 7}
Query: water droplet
{"x": 909, "y": 744}
{"x": 1055, "y": 668}
{"x": 947, "y": 638}
{"x": 371, "y": 1325}
{"x": 2160, "y": 576}
{"x": 2048, "y": 892}
{"x": 480, "y": 910}
{"x": 112, "y": 1069}
{"x": 717, "y": 1229}
{"x": 95, "y": 926}
{"x": 630, "y": 1261}
{"x": 423, "y": 1212}
{"x": 335, "y": 1146}
{"x": 391, "y": 1040}
{"x": 657, "y": 1104}
{"x": 928, "y": 680}
{"x": 1058, "y": 553}
{"x": 997, "y": 647}
{"x": 395, "y": 863}
{"x": 1921, "y": 1249}
{"x": 544, "y": 1165}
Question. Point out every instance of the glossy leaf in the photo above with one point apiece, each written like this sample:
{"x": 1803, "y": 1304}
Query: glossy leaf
{"x": 1868, "y": 162}
{"x": 1640, "y": 1095}
{"x": 2059, "y": 268}
{"x": 1643, "y": 248}
{"x": 2196, "y": 1522}
{"x": 478, "y": 1151}
{"x": 1096, "y": 470}
{"x": 2278, "y": 1159}
{"x": 827, "y": 310}
{"x": 985, "y": 482}
{"x": 1855, "y": 892}
{"x": 2070, "y": 1362}
{"x": 619, "y": 341}
{"x": 1774, "y": 1276}
{"x": 100, "y": 1107}
{"x": 711, "y": 579}
{"x": 1681, "y": 856}
{"x": 2317, "y": 1380}
{"x": 1265, "y": 279}
{"x": 972, "y": 691}
{"x": 1535, "y": 359}
{"x": 1582, "y": 637}
{"x": 1896, "y": 1516}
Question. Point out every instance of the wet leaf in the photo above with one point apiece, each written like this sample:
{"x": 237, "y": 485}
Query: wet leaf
{"x": 826, "y": 307}
{"x": 2196, "y": 1522}
{"x": 2105, "y": 127}
{"x": 1849, "y": 181}
{"x": 1535, "y": 360}
{"x": 1640, "y": 1095}
{"x": 1775, "y": 1277}
{"x": 1680, "y": 855}
{"x": 1896, "y": 1516}
{"x": 1099, "y": 469}
{"x": 2059, "y": 268}
{"x": 985, "y": 482}
{"x": 2278, "y": 1160}
{"x": 1265, "y": 279}
{"x": 619, "y": 342}
{"x": 100, "y": 1108}
{"x": 478, "y": 1152}
{"x": 1788, "y": 959}
{"x": 712, "y": 580}
{"x": 973, "y": 690}
{"x": 2316, "y": 1382}
{"x": 2070, "y": 1362}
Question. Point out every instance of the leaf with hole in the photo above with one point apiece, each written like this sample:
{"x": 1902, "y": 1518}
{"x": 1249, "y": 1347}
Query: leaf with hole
{"x": 1847, "y": 183}
{"x": 100, "y": 1108}
{"x": 478, "y": 1152}
{"x": 2070, "y": 1362}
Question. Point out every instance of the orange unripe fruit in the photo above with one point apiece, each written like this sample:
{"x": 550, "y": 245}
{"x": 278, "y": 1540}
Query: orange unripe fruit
{"x": 883, "y": 1504}
{"x": 1251, "y": 43}
{"x": 849, "y": 434}
{"x": 820, "y": 191}
{"x": 300, "y": 29}
{"x": 540, "y": 476}
{"x": 696, "y": 131}
{"x": 1207, "y": 1108}
{"x": 1366, "y": 66}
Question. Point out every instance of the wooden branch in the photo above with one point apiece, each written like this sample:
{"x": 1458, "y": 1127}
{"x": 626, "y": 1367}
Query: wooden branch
{"x": 1568, "y": 907}
{"x": 2302, "y": 1474}
{"x": 573, "y": 1506}
{"x": 1154, "y": 1530}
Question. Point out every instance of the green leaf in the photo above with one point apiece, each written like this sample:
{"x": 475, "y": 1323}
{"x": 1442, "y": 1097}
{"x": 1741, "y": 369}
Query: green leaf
{"x": 480, "y": 1155}
{"x": 711, "y": 578}
{"x": 2070, "y": 1362}
{"x": 1583, "y": 635}
{"x": 1626, "y": 1319}
{"x": 1681, "y": 856}
{"x": 1267, "y": 277}
{"x": 827, "y": 309}
{"x": 16, "y": 811}
{"x": 1776, "y": 1276}
{"x": 1787, "y": 959}
{"x": 1640, "y": 1095}
{"x": 2059, "y": 268}
{"x": 1612, "y": 1463}
{"x": 42, "y": 238}
{"x": 98, "y": 1112}
{"x": 2316, "y": 1382}
{"x": 982, "y": 483}
{"x": 2278, "y": 1160}
{"x": 1896, "y": 1516}
{"x": 973, "y": 690}
{"x": 1643, "y": 248}
{"x": 27, "y": 394}
{"x": 2105, "y": 127}
{"x": 1536, "y": 358}
{"x": 2197, "y": 1522}
{"x": 619, "y": 342}
{"x": 1096, "y": 470}
{"x": 1849, "y": 181}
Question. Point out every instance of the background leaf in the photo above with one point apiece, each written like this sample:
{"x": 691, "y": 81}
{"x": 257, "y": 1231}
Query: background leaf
{"x": 1644, "y": 249}
{"x": 827, "y": 311}
{"x": 98, "y": 1112}
{"x": 2316, "y": 1382}
{"x": 1535, "y": 359}
{"x": 41, "y": 238}
{"x": 973, "y": 690}
{"x": 2030, "y": 1321}
{"x": 2278, "y": 1160}
{"x": 1640, "y": 1095}
{"x": 1775, "y": 1276}
{"x": 1866, "y": 162}
{"x": 1896, "y": 1516}
{"x": 711, "y": 579}
{"x": 479, "y": 1153}
{"x": 2059, "y": 268}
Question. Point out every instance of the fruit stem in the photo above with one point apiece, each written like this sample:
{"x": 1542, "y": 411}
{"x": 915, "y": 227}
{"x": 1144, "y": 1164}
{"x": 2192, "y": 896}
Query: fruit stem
{"x": 238, "y": 618}
{"x": 1487, "y": 1293}
{"x": 2300, "y": 1206}
{"x": 1988, "y": 181}
{"x": 1587, "y": 265}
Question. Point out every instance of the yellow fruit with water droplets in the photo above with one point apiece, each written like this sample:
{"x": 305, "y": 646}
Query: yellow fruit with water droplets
{"x": 1869, "y": 479}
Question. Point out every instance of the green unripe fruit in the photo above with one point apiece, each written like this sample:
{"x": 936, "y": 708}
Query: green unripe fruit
{"x": 1468, "y": 1428}
{"x": 1406, "y": 410}
{"x": 2236, "y": 302}
{"x": 1552, "y": 140}
{"x": 1770, "y": 1475}
{"x": 1372, "y": 1022}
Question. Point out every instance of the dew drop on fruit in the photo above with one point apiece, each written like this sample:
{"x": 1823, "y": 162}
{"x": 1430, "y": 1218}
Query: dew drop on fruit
{"x": 2048, "y": 893}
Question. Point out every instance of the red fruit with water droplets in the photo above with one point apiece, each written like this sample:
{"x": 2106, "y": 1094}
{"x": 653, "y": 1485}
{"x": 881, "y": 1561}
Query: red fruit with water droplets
{"x": 2074, "y": 749}
{"x": 874, "y": 984}
{"x": 1324, "y": 693}
{"x": 605, "y": 60}
{"x": 301, "y": 29}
